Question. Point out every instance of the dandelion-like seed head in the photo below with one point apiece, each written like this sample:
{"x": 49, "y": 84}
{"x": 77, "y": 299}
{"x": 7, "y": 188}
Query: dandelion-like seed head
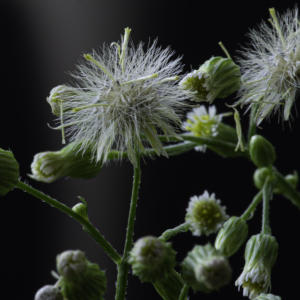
{"x": 271, "y": 66}
{"x": 123, "y": 97}
{"x": 205, "y": 215}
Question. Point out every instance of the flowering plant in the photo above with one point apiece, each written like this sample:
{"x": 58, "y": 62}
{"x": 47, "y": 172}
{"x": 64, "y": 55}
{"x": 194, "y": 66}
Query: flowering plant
{"x": 129, "y": 103}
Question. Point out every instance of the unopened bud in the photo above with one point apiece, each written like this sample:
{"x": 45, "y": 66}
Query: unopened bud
{"x": 260, "y": 176}
{"x": 261, "y": 151}
{"x": 206, "y": 269}
{"x": 152, "y": 259}
{"x": 9, "y": 172}
{"x": 267, "y": 297}
{"x": 232, "y": 236}
{"x": 68, "y": 162}
{"x": 48, "y": 292}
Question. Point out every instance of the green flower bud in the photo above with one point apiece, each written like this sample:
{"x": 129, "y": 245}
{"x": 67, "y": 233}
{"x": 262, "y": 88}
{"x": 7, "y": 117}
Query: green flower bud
{"x": 80, "y": 278}
{"x": 292, "y": 179}
{"x": 49, "y": 166}
{"x": 206, "y": 269}
{"x": 260, "y": 176}
{"x": 216, "y": 78}
{"x": 58, "y": 95}
{"x": 260, "y": 256}
{"x": 261, "y": 151}
{"x": 48, "y": 292}
{"x": 9, "y": 172}
{"x": 152, "y": 259}
{"x": 232, "y": 236}
{"x": 267, "y": 297}
{"x": 81, "y": 208}
{"x": 205, "y": 215}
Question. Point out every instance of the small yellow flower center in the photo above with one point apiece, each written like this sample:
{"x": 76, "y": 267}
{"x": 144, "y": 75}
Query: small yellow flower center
{"x": 207, "y": 213}
{"x": 202, "y": 126}
{"x": 257, "y": 287}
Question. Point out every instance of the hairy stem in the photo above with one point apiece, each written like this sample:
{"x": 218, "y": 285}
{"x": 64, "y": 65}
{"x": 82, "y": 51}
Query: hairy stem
{"x": 252, "y": 206}
{"x": 267, "y": 195}
{"x": 252, "y": 125}
{"x": 172, "y": 232}
{"x": 184, "y": 292}
{"x": 123, "y": 268}
{"x": 89, "y": 228}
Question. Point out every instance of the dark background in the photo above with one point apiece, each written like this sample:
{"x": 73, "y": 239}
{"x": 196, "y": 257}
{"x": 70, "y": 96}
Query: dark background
{"x": 41, "y": 41}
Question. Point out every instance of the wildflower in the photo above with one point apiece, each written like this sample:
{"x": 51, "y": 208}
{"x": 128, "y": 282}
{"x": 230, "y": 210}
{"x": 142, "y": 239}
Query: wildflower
{"x": 123, "y": 97}
{"x": 260, "y": 256}
{"x": 216, "y": 78}
{"x": 205, "y": 215}
{"x": 203, "y": 123}
{"x": 80, "y": 279}
{"x": 271, "y": 68}
{"x": 206, "y": 269}
{"x": 232, "y": 236}
{"x": 9, "y": 172}
{"x": 152, "y": 259}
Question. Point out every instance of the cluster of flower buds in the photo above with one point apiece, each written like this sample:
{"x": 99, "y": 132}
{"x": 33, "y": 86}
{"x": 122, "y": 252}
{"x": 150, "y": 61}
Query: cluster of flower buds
{"x": 206, "y": 269}
{"x": 68, "y": 162}
{"x": 152, "y": 259}
{"x": 9, "y": 172}
{"x": 217, "y": 78}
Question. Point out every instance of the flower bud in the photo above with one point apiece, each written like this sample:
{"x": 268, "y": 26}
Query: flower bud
{"x": 232, "y": 236}
{"x": 80, "y": 278}
{"x": 260, "y": 176}
{"x": 206, "y": 269}
{"x": 152, "y": 259}
{"x": 260, "y": 256}
{"x": 267, "y": 297}
{"x": 9, "y": 172}
{"x": 261, "y": 151}
{"x": 49, "y": 166}
{"x": 216, "y": 78}
{"x": 58, "y": 95}
{"x": 205, "y": 215}
{"x": 48, "y": 292}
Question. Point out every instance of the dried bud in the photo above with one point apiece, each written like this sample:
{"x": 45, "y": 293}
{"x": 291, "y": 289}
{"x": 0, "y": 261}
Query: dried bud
{"x": 152, "y": 259}
{"x": 261, "y": 151}
{"x": 9, "y": 172}
{"x": 206, "y": 269}
{"x": 232, "y": 236}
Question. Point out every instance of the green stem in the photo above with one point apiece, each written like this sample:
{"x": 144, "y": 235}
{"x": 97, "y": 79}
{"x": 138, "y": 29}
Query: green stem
{"x": 123, "y": 268}
{"x": 252, "y": 206}
{"x": 267, "y": 195}
{"x": 172, "y": 232}
{"x": 252, "y": 125}
{"x": 95, "y": 234}
{"x": 184, "y": 292}
{"x": 287, "y": 189}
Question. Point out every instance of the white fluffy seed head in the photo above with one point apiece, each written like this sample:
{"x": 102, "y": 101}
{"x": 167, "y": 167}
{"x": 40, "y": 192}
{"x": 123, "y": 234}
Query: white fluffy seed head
{"x": 271, "y": 66}
{"x": 123, "y": 96}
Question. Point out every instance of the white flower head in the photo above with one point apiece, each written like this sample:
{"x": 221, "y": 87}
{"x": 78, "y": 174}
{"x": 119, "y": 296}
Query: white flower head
{"x": 203, "y": 123}
{"x": 123, "y": 96}
{"x": 205, "y": 215}
{"x": 260, "y": 256}
{"x": 271, "y": 66}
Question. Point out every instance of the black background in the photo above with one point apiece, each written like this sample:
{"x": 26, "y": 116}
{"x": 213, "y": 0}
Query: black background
{"x": 41, "y": 41}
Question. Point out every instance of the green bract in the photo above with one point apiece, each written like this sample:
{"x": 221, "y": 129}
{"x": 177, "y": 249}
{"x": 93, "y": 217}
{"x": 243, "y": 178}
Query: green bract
{"x": 80, "y": 278}
{"x": 232, "y": 236}
{"x": 152, "y": 259}
{"x": 50, "y": 166}
{"x": 206, "y": 269}
{"x": 9, "y": 172}
{"x": 216, "y": 78}
{"x": 261, "y": 151}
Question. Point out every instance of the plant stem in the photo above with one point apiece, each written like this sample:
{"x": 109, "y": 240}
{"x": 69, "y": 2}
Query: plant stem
{"x": 172, "y": 232}
{"x": 252, "y": 206}
{"x": 123, "y": 268}
{"x": 267, "y": 195}
{"x": 252, "y": 125}
{"x": 94, "y": 233}
{"x": 287, "y": 189}
{"x": 184, "y": 292}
